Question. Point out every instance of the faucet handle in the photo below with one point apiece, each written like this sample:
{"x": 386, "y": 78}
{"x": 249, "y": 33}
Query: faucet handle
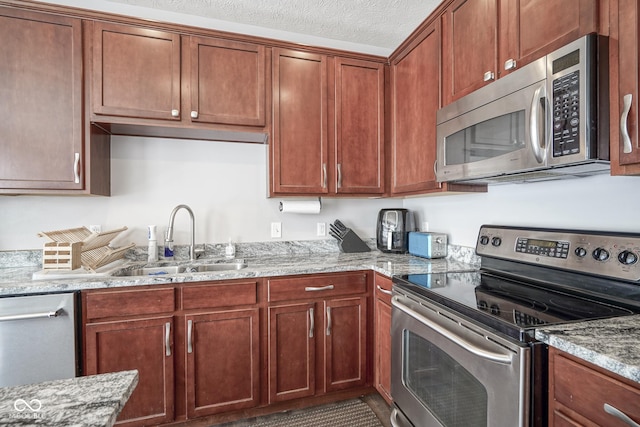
{"x": 199, "y": 252}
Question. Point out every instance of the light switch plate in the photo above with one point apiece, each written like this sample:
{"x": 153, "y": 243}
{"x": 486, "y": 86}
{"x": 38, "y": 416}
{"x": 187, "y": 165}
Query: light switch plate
{"x": 276, "y": 229}
{"x": 321, "y": 229}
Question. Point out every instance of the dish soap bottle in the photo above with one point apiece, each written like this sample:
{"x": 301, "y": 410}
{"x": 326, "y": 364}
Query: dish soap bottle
{"x": 152, "y": 249}
{"x": 230, "y": 250}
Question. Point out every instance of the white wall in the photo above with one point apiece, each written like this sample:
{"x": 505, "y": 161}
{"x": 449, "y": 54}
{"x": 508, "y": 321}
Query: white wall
{"x": 598, "y": 203}
{"x": 224, "y": 183}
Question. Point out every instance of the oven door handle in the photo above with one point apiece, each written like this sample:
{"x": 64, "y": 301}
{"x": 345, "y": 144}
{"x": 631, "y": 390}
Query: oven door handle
{"x": 470, "y": 347}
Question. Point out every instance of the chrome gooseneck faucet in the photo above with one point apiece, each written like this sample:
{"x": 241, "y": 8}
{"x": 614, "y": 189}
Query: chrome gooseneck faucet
{"x": 169, "y": 235}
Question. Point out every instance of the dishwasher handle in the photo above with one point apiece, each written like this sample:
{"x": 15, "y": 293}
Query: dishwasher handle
{"x": 39, "y": 315}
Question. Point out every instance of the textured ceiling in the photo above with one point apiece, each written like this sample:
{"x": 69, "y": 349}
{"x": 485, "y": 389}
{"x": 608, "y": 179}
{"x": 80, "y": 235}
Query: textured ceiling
{"x": 380, "y": 23}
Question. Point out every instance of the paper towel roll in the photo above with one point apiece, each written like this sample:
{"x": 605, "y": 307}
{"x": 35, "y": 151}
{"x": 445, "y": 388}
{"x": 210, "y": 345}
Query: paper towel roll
{"x": 301, "y": 206}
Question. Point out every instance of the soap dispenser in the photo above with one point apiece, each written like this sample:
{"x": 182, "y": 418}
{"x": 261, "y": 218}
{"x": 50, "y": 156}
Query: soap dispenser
{"x": 230, "y": 250}
{"x": 152, "y": 249}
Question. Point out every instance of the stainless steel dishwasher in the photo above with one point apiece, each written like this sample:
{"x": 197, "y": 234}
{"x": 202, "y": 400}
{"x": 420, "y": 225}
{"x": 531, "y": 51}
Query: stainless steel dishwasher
{"x": 37, "y": 338}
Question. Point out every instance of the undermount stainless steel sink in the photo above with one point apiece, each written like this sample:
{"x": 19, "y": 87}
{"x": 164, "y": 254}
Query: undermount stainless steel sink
{"x": 177, "y": 269}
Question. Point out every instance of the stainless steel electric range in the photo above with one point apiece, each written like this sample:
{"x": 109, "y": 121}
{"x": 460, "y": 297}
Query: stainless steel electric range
{"x": 463, "y": 346}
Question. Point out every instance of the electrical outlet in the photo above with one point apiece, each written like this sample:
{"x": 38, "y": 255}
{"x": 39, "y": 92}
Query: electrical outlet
{"x": 321, "y": 229}
{"x": 276, "y": 229}
{"x": 425, "y": 226}
{"x": 95, "y": 228}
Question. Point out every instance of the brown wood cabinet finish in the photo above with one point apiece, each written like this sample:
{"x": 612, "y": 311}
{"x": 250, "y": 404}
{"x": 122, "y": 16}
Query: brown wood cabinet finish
{"x": 140, "y": 344}
{"x": 223, "y": 361}
{"x": 415, "y": 94}
{"x": 359, "y": 127}
{"x": 42, "y": 118}
{"x": 624, "y": 75}
{"x": 469, "y": 47}
{"x": 299, "y": 150}
{"x": 316, "y": 286}
{"x": 292, "y": 354}
{"x": 382, "y": 328}
{"x": 136, "y": 72}
{"x": 579, "y": 390}
{"x": 227, "y": 82}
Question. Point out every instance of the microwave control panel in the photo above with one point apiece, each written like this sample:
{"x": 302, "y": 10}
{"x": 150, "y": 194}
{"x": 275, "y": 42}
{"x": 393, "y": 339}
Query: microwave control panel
{"x": 566, "y": 115}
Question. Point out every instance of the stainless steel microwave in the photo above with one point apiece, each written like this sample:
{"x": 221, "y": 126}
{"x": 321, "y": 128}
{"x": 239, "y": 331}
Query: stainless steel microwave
{"x": 547, "y": 120}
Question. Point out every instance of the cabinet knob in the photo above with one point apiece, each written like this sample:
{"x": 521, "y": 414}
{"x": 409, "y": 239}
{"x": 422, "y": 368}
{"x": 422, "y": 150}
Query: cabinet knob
{"x": 175, "y": 113}
{"x": 488, "y": 76}
{"x": 194, "y": 114}
{"x": 509, "y": 64}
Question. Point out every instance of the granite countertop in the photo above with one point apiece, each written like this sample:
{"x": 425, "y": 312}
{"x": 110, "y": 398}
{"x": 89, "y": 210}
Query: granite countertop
{"x": 612, "y": 344}
{"x": 90, "y": 401}
{"x": 18, "y": 281}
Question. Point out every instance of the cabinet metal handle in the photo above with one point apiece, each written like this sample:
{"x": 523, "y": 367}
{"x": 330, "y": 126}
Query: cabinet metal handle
{"x": 312, "y": 322}
{"x": 76, "y": 168}
{"x": 339, "y": 175}
{"x": 384, "y": 291}
{"x": 40, "y": 315}
{"x": 488, "y": 76}
{"x": 612, "y": 410}
{"x": 328, "y": 321}
{"x": 175, "y": 113}
{"x": 324, "y": 175}
{"x": 510, "y": 64}
{"x": 624, "y": 129}
{"x": 190, "y": 336}
{"x": 194, "y": 114}
{"x": 318, "y": 288}
{"x": 167, "y": 339}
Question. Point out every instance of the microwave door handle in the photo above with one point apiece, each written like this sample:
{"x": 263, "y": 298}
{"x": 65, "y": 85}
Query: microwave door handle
{"x": 537, "y": 137}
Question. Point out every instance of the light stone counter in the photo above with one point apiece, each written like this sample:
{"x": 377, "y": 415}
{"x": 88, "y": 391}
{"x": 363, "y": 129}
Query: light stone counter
{"x": 18, "y": 280}
{"x": 91, "y": 401}
{"x": 612, "y": 344}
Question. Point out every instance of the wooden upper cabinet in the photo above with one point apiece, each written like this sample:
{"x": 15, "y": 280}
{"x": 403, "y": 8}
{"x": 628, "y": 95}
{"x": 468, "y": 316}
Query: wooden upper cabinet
{"x": 415, "y": 98}
{"x": 529, "y": 29}
{"x": 359, "y": 127}
{"x": 41, "y": 131}
{"x": 136, "y": 72}
{"x": 227, "y": 82}
{"x": 625, "y": 72}
{"x": 299, "y": 150}
{"x": 469, "y": 47}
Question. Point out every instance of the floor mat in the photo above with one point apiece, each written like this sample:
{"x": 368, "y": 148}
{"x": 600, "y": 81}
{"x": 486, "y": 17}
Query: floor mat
{"x": 349, "y": 413}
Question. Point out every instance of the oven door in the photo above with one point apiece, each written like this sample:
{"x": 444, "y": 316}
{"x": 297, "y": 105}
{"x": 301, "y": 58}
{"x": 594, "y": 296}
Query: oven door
{"x": 448, "y": 371}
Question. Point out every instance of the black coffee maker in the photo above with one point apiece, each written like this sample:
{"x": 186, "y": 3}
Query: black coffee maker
{"x": 393, "y": 230}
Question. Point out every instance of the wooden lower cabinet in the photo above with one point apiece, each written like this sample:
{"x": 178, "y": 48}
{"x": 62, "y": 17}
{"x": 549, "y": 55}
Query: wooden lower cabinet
{"x": 579, "y": 393}
{"x": 142, "y": 344}
{"x": 223, "y": 361}
{"x": 382, "y": 345}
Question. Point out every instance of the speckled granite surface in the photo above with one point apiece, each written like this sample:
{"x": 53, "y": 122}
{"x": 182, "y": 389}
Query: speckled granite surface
{"x": 613, "y": 344}
{"x": 92, "y": 401}
{"x": 266, "y": 260}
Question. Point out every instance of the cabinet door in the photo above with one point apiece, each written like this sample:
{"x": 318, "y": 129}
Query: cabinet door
{"x": 530, "y": 29}
{"x": 469, "y": 52}
{"x": 41, "y": 107}
{"x": 292, "y": 358}
{"x": 625, "y": 72}
{"x": 359, "y": 126}
{"x": 415, "y": 96}
{"x": 382, "y": 331}
{"x": 136, "y": 72}
{"x": 299, "y": 158}
{"x": 145, "y": 345}
{"x": 345, "y": 333}
{"x": 223, "y": 363}
{"x": 227, "y": 82}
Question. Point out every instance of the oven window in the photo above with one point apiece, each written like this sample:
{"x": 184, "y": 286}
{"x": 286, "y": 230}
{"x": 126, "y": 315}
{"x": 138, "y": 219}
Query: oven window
{"x": 486, "y": 140}
{"x": 445, "y": 388}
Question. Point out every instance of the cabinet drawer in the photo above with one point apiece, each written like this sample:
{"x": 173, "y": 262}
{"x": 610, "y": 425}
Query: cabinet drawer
{"x": 213, "y": 295}
{"x": 586, "y": 391}
{"x": 136, "y": 302}
{"x": 317, "y": 286}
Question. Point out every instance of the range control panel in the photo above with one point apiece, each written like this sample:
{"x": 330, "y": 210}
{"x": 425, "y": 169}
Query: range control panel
{"x": 610, "y": 254}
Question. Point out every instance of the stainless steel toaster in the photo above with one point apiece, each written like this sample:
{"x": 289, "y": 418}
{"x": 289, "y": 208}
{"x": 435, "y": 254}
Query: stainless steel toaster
{"x": 428, "y": 245}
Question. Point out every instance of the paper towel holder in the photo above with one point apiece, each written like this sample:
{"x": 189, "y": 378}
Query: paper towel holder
{"x": 303, "y": 207}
